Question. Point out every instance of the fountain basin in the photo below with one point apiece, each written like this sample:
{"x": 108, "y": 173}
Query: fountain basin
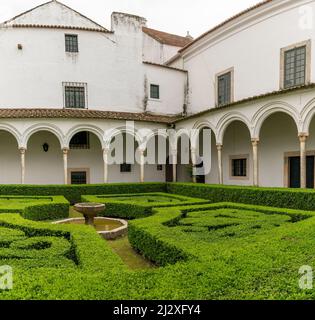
{"x": 89, "y": 210}
{"x": 107, "y": 228}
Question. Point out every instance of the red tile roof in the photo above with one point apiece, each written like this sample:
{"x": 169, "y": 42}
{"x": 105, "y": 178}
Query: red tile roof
{"x": 26, "y": 113}
{"x": 167, "y": 38}
{"x": 256, "y": 6}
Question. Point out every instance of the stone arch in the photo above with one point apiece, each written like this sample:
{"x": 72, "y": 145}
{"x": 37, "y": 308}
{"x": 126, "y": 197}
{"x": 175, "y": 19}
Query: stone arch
{"x": 14, "y": 132}
{"x": 203, "y": 124}
{"x": 89, "y": 128}
{"x": 307, "y": 116}
{"x": 111, "y": 133}
{"x": 266, "y": 111}
{"x": 226, "y": 120}
{"x": 43, "y": 127}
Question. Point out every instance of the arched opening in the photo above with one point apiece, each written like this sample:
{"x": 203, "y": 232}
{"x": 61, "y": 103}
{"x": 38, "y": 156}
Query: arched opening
{"x": 43, "y": 159}
{"x": 85, "y": 159}
{"x": 10, "y": 167}
{"x": 237, "y": 154}
{"x": 279, "y": 152}
{"x": 158, "y": 167}
{"x": 124, "y": 158}
{"x": 206, "y": 157}
{"x": 184, "y": 165}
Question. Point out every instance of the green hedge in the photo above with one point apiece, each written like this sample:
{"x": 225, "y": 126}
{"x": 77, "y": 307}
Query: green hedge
{"x": 69, "y": 262}
{"x": 73, "y": 192}
{"x": 135, "y": 209}
{"x": 157, "y": 238}
{"x": 302, "y": 199}
{"x": 36, "y": 208}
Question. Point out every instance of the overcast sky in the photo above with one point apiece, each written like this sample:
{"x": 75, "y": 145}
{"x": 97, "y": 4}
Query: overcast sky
{"x": 175, "y": 16}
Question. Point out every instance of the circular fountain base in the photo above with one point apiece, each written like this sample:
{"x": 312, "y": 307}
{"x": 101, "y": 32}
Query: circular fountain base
{"x": 108, "y": 228}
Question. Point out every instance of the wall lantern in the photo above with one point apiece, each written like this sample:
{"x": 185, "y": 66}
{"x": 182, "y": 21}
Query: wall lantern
{"x": 45, "y": 147}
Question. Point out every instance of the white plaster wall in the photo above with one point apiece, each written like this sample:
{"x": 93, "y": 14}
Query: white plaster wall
{"x": 236, "y": 142}
{"x": 154, "y": 51}
{"x": 54, "y": 13}
{"x": 252, "y": 48}
{"x": 43, "y": 167}
{"x": 278, "y": 136}
{"x": 9, "y": 159}
{"x": 91, "y": 159}
{"x": 172, "y": 89}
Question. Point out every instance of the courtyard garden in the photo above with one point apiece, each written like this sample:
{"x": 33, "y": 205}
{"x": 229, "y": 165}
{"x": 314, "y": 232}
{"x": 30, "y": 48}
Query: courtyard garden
{"x": 184, "y": 241}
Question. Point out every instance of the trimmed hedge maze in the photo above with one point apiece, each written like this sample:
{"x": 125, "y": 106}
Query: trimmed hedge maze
{"x": 139, "y": 205}
{"x": 36, "y": 208}
{"x": 208, "y": 247}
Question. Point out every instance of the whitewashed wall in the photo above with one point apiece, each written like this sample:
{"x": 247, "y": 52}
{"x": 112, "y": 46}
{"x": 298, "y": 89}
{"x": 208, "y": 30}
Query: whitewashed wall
{"x": 154, "y": 51}
{"x": 172, "y": 89}
{"x": 110, "y": 63}
{"x": 251, "y": 44}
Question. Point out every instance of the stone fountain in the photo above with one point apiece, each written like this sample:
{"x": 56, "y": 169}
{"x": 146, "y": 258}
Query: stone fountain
{"x": 89, "y": 210}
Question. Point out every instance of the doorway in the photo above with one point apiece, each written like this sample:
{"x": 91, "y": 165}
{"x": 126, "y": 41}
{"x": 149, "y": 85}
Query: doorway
{"x": 294, "y": 172}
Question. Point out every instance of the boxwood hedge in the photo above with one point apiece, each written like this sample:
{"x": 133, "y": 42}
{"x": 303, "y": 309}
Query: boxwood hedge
{"x": 303, "y": 199}
{"x": 73, "y": 262}
{"x": 36, "y": 208}
{"x": 73, "y": 192}
{"x": 133, "y": 208}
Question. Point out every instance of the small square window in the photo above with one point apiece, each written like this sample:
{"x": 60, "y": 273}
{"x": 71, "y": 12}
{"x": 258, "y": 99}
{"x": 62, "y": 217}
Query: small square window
{"x": 239, "y": 167}
{"x": 159, "y": 167}
{"x": 75, "y": 95}
{"x": 154, "y": 91}
{"x": 78, "y": 177}
{"x": 125, "y": 167}
{"x": 72, "y": 44}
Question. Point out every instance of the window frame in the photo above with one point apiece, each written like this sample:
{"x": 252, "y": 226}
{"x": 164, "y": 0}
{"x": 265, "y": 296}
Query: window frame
{"x": 239, "y": 157}
{"x": 125, "y": 164}
{"x": 70, "y": 45}
{"x": 217, "y": 76}
{"x": 159, "y": 91}
{"x": 308, "y": 48}
{"x": 73, "y": 170}
{"x": 83, "y": 85}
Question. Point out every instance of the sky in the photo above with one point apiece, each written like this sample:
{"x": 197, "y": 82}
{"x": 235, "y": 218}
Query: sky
{"x": 174, "y": 16}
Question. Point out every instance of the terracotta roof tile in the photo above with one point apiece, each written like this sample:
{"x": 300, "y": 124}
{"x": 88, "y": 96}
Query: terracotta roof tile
{"x": 26, "y": 113}
{"x": 249, "y": 99}
{"x": 167, "y": 38}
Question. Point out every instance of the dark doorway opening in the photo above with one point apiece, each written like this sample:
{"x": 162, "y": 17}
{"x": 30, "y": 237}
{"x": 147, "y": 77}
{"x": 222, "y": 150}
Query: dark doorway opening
{"x": 294, "y": 172}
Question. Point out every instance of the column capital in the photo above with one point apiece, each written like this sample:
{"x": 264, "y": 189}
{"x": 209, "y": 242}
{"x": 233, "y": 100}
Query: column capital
{"x": 106, "y": 150}
{"x": 303, "y": 136}
{"x": 219, "y": 146}
{"x": 65, "y": 150}
{"x": 255, "y": 141}
{"x": 22, "y": 150}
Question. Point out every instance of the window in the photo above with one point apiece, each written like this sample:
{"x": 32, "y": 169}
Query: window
{"x": 125, "y": 167}
{"x": 75, "y": 95}
{"x": 224, "y": 88}
{"x": 80, "y": 141}
{"x": 294, "y": 67}
{"x": 239, "y": 167}
{"x": 78, "y": 177}
{"x": 154, "y": 91}
{"x": 72, "y": 43}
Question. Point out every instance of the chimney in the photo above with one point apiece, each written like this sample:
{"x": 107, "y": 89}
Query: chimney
{"x": 188, "y": 36}
{"x": 124, "y": 22}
